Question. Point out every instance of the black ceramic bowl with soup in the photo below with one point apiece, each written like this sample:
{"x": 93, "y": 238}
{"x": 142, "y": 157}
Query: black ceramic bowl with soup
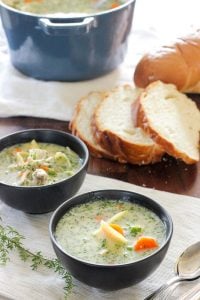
{"x": 44, "y": 198}
{"x": 112, "y": 275}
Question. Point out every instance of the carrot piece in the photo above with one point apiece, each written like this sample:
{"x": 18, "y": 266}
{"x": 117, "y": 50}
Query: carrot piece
{"x": 144, "y": 243}
{"x": 114, "y": 5}
{"x": 117, "y": 228}
{"x": 98, "y": 218}
{"x": 29, "y": 1}
{"x": 17, "y": 149}
{"x": 43, "y": 167}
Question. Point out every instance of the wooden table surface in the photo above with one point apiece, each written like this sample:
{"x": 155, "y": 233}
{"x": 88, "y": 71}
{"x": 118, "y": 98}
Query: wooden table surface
{"x": 169, "y": 175}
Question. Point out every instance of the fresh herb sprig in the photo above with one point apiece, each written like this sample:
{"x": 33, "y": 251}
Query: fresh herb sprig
{"x": 10, "y": 240}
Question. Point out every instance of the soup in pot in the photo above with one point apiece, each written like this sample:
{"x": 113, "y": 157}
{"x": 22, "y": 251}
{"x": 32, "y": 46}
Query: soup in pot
{"x": 63, "y": 6}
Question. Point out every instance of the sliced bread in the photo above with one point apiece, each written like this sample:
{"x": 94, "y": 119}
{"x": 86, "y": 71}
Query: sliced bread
{"x": 113, "y": 127}
{"x": 171, "y": 119}
{"x": 80, "y": 124}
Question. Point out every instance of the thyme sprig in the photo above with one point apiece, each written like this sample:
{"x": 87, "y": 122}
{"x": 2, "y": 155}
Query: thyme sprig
{"x": 10, "y": 240}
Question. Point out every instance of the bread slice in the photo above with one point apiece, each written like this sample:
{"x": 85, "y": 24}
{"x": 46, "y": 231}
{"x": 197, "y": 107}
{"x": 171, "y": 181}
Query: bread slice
{"x": 80, "y": 124}
{"x": 171, "y": 119}
{"x": 114, "y": 129}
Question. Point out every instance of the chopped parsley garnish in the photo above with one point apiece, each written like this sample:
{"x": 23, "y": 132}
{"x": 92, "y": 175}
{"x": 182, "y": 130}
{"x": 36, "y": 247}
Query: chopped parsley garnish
{"x": 135, "y": 230}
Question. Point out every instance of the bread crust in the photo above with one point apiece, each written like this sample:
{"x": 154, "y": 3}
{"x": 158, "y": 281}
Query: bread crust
{"x": 177, "y": 63}
{"x": 169, "y": 148}
{"x": 125, "y": 150}
{"x": 108, "y": 141}
{"x": 144, "y": 122}
{"x": 97, "y": 152}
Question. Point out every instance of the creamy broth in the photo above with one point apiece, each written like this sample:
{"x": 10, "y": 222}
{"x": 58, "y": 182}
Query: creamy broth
{"x": 80, "y": 233}
{"x": 35, "y": 164}
{"x": 63, "y": 6}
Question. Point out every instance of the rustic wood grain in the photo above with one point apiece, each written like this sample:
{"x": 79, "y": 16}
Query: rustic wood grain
{"x": 169, "y": 175}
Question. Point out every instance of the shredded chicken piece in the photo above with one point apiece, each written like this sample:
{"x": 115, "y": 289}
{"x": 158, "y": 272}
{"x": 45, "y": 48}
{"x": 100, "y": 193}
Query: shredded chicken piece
{"x": 40, "y": 176}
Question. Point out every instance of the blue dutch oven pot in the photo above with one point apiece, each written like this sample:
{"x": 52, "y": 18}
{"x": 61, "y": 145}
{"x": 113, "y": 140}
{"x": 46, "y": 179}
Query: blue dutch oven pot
{"x": 64, "y": 48}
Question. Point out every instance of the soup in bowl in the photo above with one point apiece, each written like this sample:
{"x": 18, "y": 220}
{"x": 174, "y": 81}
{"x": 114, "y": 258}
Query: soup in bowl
{"x": 35, "y": 164}
{"x": 41, "y": 168}
{"x": 111, "y": 239}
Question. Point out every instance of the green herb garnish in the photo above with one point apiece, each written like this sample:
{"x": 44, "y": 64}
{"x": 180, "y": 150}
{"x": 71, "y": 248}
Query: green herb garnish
{"x": 51, "y": 172}
{"x": 103, "y": 244}
{"x": 11, "y": 240}
{"x": 135, "y": 230}
{"x": 129, "y": 248}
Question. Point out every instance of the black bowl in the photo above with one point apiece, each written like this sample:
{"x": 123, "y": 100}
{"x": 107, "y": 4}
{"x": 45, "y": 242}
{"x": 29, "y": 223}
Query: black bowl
{"x": 42, "y": 199}
{"x": 111, "y": 277}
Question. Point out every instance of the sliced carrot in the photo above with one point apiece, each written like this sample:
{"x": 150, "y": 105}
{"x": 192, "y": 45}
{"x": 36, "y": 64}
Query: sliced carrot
{"x": 117, "y": 228}
{"x": 98, "y": 218}
{"x": 114, "y": 5}
{"x": 29, "y": 1}
{"x": 43, "y": 167}
{"x": 144, "y": 243}
{"x": 17, "y": 149}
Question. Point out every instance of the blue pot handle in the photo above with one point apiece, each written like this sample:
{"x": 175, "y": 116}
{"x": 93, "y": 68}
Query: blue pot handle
{"x": 54, "y": 28}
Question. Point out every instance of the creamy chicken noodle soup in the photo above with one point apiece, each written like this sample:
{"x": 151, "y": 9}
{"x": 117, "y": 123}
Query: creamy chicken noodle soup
{"x": 33, "y": 164}
{"x": 110, "y": 232}
{"x": 63, "y": 6}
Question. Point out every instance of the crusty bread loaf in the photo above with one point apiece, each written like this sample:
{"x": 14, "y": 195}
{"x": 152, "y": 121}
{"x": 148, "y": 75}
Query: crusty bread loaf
{"x": 178, "y": 63}
{"x": 171, "y": 119}
{"x": 80, "y": 124}
{"x": 113, "y": 128}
